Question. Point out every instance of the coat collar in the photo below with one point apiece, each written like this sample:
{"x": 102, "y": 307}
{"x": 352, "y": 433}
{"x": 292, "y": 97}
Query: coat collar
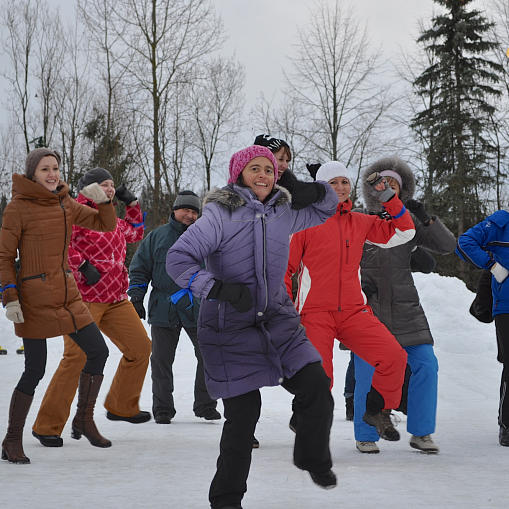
{"x": 178, "y": 227}
{"x": 26, "y": 189}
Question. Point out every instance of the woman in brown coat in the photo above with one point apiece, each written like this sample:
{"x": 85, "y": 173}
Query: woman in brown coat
{"x": 42, "y": 298}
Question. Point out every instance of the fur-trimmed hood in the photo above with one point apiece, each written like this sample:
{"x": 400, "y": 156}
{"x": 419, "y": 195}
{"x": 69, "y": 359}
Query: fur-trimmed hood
{"x": 393, "y": 163}
{"x": 229, "y": 199}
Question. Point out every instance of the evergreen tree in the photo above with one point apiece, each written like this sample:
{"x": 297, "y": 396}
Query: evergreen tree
{"x": 457, "y": 89}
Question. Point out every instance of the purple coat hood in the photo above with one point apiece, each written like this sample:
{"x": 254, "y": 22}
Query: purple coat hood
{"x": 245, "y": 241}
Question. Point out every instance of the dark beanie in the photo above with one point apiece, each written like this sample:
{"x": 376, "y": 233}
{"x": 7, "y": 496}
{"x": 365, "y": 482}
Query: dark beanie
{"x": 273, "y": 144}
{"x": 187, "y": 200}
{"x": 95, "y": 175}
{"x": 35, "y": 156}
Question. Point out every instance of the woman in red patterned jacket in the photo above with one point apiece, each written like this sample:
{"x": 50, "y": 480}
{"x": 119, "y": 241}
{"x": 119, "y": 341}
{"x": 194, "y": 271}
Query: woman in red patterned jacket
{"x": 97, "y": 261}
{"x": 330, "y": 299}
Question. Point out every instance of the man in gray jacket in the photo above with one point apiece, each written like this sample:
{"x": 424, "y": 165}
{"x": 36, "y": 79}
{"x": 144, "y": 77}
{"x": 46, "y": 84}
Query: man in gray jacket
{"x": 166, "y": 318}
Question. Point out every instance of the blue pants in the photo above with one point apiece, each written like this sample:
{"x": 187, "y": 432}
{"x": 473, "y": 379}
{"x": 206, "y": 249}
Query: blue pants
{"x": 422, "y": 394}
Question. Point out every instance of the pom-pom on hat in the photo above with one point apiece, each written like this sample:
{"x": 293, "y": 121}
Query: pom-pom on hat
{"x": 333, "y": 169}
{"x": 35, "y": 156}
{"x": 98, "y": 175}
{"x": 240, "y": 159}
{"x": 187, "y": 200}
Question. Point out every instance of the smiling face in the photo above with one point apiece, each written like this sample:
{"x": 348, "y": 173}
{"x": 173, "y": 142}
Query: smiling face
{"x": 283, "y": 159}
{"x": 258, "y": 175}
{"x": 47, "y": 173}
{"x": 185, "y": 216}
{"x": 108, "y": 187}
{"x": 342, "y": 188}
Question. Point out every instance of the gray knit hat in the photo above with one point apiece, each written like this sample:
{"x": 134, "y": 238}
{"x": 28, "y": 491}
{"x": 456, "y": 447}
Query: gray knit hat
{"x": 95, "y": 175}
{"x": 187, "y": 200}
{"x": 35, "y": 156}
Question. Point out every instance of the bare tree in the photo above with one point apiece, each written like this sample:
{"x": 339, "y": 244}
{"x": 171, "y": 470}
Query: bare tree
{"x": 164, "y": 40}
{"x": 216, "y": 102}
{"x": 20, "y": 21}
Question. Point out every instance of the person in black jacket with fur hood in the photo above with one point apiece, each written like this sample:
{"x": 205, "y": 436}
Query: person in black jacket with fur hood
{"x": 395, "y": 302}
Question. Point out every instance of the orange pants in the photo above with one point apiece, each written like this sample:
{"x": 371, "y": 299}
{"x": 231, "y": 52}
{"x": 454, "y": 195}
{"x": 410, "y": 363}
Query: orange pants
{"x": 120, "y": 322}
{"x": 362, "y": 333}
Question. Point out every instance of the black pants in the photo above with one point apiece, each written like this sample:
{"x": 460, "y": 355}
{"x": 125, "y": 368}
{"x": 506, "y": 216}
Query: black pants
{"x": 313, "y": 405}
{"x": 502, "y": 328}
{"x": 164, "y": 345}
{"x": 89, "y": 339}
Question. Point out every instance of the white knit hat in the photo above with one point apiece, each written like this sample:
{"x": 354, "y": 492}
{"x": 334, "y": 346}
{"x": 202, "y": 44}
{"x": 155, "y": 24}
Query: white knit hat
{"x": 331, "y": 170}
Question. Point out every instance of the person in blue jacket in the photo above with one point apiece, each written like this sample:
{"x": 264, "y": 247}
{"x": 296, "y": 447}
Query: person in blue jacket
{"x": 486, "y": 245}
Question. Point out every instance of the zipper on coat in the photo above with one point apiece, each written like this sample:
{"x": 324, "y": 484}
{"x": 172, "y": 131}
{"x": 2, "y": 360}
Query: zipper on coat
{"x": 347, "y": 251}
{"x": 265, "y": 263}
{"x": 63, "y": 268}
{"x": 41, "y": 276}
{"x": 340, "y": 257}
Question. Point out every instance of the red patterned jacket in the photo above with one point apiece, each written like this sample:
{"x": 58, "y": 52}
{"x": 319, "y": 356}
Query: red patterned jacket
{"x": 106, "y": 251}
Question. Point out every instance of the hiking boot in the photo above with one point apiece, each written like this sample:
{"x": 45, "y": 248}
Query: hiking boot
{"x": 326, "y": 480}
{"x": 349, "y": 408}
{"x": 367, "y": 447}
{"x": 383, "y": 424}
{"x": 134, "y": 419}
{"x": 210, "y": 414}
{"x": 49, "y": 440}
{"x": 425, "y": 444}
{"x": 163, "y": 418}
{"x": 256, "y": 444}
{"x": 503, "y": 436}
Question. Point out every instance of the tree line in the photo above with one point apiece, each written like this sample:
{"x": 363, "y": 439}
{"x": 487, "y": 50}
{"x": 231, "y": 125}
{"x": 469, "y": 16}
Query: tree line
{"x": 140, "y": 88}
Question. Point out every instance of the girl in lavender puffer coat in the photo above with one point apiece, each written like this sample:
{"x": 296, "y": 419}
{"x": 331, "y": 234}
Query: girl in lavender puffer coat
{"x": 248, "y": 329}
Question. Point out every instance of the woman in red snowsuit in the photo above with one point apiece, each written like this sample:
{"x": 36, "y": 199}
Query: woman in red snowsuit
{"x": 330, "y": 299}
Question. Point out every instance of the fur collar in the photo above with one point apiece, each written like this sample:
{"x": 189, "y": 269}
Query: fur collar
{"x": 231, "y": 200}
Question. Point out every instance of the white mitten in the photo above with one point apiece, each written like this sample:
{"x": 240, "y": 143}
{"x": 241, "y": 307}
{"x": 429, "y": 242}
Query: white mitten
{"x": 13, "y": 312}
{"x": 95, "y": 193}
{"x": 499, "y": 272}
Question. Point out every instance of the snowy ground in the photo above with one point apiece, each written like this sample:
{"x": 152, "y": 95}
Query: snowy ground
{"x": 170, "y": 466}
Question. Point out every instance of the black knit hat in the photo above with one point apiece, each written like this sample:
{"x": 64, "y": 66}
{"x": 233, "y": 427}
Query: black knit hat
{"x": 273, "y": 144}
{"x": 187, "y": 200}
{"x": 35, "y": 156}
{"x": 95, "y": 175}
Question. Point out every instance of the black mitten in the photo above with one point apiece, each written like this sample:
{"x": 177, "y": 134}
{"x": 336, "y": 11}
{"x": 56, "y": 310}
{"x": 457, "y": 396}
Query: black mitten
{"x": 287, "y": 180}
{"x": 238, "y": 295}
{"x": 385, "y": 194}
{"x": 313, "y": 169}
{"x": 123, "y": 194}
{"x": 418, "y": 209}
{"x": 137, "y": 302}
{"x": 92, "y": 275}
{"x": 369, "y": 289}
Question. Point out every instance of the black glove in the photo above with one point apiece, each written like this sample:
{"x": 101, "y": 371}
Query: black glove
{"x": 418, "y": 209}
{"x": 313, "y": 169}
{"x": 238, "y": 295}
{"x": 138, "y": 305}
{"x": 303, "y": 193}
{"x": 123, "y": 194}
{"x": 385, "y": 194}
{"x": 92, "y": 275}
{"x": 369, "y": 289}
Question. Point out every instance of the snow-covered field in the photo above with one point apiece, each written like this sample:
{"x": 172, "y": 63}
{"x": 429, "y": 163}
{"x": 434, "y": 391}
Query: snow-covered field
{"x": 171, "y": 466}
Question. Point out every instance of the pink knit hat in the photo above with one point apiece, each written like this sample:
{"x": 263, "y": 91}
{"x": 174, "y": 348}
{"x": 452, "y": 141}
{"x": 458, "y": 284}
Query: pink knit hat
{"x": 240, "y": 159}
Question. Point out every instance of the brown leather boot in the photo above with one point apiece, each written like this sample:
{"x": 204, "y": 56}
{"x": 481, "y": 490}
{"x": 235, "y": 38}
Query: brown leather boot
{"x": 83, "y": 422}
{"x": 12, "y": 446}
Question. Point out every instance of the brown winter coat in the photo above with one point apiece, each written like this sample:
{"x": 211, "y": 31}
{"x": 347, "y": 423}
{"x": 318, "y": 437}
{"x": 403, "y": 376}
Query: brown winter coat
{"x": 37, "y": 227}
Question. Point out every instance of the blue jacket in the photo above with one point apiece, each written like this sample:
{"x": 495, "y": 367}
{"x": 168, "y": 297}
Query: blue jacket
{"x": 148, "y": 265}
{"x": 246, "y": 241}
{"x": 484, "y": 245}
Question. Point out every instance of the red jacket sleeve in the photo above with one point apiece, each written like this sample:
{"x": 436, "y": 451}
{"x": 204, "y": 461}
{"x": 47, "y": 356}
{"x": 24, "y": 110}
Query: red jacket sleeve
{"x": 297, "y": 242}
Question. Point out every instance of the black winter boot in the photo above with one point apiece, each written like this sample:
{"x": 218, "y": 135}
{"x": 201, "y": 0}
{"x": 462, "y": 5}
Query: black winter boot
{"x": 83, "y": 422}
{"x": 349, "y": 408}
{"x": 12, "y": 446}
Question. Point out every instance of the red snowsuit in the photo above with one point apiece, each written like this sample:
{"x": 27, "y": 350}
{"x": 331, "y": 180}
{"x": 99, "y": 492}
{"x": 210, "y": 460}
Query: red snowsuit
{"x": 330, "y": 299}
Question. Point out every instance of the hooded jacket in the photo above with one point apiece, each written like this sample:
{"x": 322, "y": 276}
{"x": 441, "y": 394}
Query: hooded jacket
{"x": 106, "y": 252}
{"x": 245, "y": 241}
{"x": 149, "y": 266}
{"x": 37, "y": 226}
{"x": 396, "y": 301}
